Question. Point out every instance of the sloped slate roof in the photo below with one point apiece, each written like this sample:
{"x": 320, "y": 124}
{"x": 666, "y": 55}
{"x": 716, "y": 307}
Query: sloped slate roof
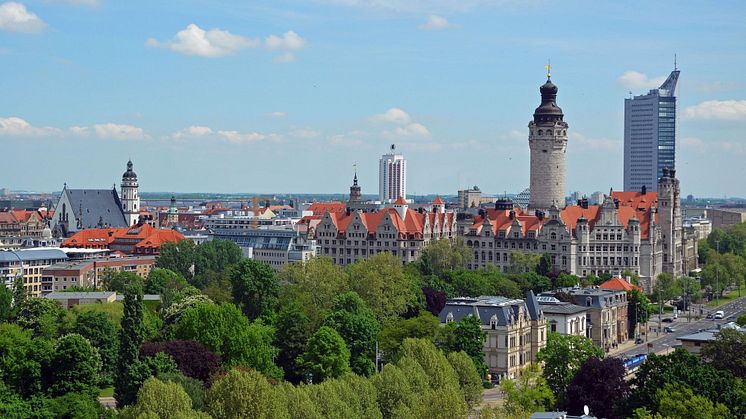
{"x": 32, "y": 254}
{"x": 98, "y": 205}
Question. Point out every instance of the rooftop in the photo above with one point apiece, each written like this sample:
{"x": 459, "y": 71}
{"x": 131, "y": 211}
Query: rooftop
{"x": 103, "y": 295}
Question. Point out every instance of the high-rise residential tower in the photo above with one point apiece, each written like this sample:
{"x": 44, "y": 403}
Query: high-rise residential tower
{"x": 130, "y": 198}
{"x": 392, "y": 176}
{"x": 650, "y": 135}
{"x": 547, "y": 139}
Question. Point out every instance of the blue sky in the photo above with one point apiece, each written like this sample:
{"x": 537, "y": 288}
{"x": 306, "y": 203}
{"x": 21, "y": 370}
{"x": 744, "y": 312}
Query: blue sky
{"x": 284, "y": 96}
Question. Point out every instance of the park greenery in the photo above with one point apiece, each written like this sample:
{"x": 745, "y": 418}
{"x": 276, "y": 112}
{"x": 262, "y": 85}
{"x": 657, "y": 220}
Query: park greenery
{"x": 231, "y": 337}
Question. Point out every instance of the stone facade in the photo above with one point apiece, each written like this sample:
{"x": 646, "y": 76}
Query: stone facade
{"x": 548, "y": 144}
{"x": 404, "y": 232}
{"x": 516, "y": 330}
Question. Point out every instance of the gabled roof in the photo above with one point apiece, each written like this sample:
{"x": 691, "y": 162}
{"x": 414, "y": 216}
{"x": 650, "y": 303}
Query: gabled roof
{"x": 320, "y": 208}
{"x": 438, "y": 201}
{"x": 97, "y": 205}
{"x": 618, "y": 284}
{"x": 400, "y": 201}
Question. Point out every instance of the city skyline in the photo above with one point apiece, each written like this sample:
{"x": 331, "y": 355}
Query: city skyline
{"x": 296, "y": 92}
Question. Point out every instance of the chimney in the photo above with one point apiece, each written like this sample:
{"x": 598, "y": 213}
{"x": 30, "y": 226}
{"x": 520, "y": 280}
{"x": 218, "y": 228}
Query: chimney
{"x": 512, "y": 215}
{"x": 644, "y": 190}
{"x": 584, "y": 203}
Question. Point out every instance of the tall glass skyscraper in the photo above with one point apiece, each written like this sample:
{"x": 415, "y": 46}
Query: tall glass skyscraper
{"x": 650, "y": 135}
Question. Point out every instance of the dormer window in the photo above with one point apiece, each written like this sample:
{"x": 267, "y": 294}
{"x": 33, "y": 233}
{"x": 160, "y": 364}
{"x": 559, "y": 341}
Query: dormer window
{"x": 449, "y": 317}
{"x": 493, "y": 322}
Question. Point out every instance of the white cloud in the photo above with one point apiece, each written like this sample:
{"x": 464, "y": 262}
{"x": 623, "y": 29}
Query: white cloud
{"x": 18, "y": 127}
{"x": 288, "y": 41}
{"x": 15, "y": 18}
{"x": 211, "y": 43}
{"x": 636, "y": 80}
{"x": 394, "y": 115}
{"x": 285, "y": 58}
{"x": 411, "y": 130}
{"x": 437, "y": 23}
{"x": 351, "y": 139}
{"x": 277, "y": 114}
{"x": 119, "y": 132}
{"x": 726, "y": 110}
{"x": 235, "y": 137}
{"x": 191, "y": 132}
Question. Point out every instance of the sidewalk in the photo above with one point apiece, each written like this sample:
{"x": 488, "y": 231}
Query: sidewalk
{"x": 622, "y": 347}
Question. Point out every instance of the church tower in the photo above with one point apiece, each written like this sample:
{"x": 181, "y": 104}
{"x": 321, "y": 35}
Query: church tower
{"x": 547, "y": 139}
{"x": 355, "y": 191}
{"x": 130, "y": 198}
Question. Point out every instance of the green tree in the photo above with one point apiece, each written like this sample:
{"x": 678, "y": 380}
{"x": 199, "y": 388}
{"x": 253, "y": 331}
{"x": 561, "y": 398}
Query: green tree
{"x": 470, "y": 283}
{"x": 102, "y": 334}
{"x": 468, "y": 377}
{"x": 741, "y": 320}
{"x": 23, "y": 360}
{"x": 160, "y": 279}
{"x": 562, "y": 357}
{"x": 73, "y": 405}
{"x": 396, "y": 397}
{"x": 679, "y": 401}
{"x": 131, "y": 337}
{"x": 313, "y": 285}
{"x": 216, "y": 256}
{"x": 381, "y": 282}
{"x": 444, "y": 255}
{"x": 638, "y": 309}
{"x": 6, "y": 300}
{"x": 326, "y": 356}
{"x": 291, "y": 338}
{"x": 665, "y": 288}
{"x": 75, "y": 366}
{"x": 393, "y": 334}
{"x": 727, "y": 352}
{"x": 357, "y": 325}
{"x": 119, "y": 281}
{"x": 228, "y": 333}
{"x": 545, "y": 266}
{"x": 254, "y": 286}
{"x": 529, "y": 393}
{"x": 178, "y": 257}
{"x": 714, "y": 275}
{"x": 245, "y": 394}
{"x": 523, "y": 262}
{"x": 40, "y": 315}
{"x": 432, "y": 374}
{"x": 164, "y": 400}
{"x": 468, "y": 336}
{"x": 19, "y": 291}
{"x": 193, "y": 387}
{"x": 683, "y": 368}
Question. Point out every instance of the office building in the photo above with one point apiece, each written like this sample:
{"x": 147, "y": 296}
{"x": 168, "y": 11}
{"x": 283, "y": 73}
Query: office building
{"x": 650, "y": 135}
{"x": 392, "y": 176}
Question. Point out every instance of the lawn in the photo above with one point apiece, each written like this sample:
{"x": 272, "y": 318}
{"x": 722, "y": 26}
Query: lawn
{"x": 728, "y": 297}
{"x": 106, "y": 392}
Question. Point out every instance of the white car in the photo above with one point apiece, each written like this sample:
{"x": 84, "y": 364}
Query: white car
{"x": 719, "y": 314}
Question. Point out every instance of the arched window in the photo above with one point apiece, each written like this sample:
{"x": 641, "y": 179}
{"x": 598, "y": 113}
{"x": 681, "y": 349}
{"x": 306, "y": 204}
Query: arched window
{"x": 541, "y": 132}
{"x": 588, "y": 301}
{"x": 553, "y": 236}
{"x": 493, "y": 322}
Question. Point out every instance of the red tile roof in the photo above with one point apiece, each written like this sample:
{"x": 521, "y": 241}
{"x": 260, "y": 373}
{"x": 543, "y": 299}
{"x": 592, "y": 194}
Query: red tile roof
{"x": 413, "y": 224}
{"x": 101, "y": 238}
{"x": 321, "y": 208}
{"x": 438, "y": 201}
{"x": 618, "y": 284}
{"x": 400, "y": 201}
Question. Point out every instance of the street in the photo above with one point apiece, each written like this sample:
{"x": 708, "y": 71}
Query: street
{"x": 664, "y": 342}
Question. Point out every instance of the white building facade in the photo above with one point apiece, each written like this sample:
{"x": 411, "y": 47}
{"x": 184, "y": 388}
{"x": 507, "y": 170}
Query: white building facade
{"x": 392, "y": 176}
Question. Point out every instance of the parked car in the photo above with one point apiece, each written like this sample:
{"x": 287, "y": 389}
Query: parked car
{"x": 719, "y": 314}
{"x": 667, "y": 320}
{"x": 668, "y": 329}
{"x": 639, "y": 340}
{"x": 710, "y": 315}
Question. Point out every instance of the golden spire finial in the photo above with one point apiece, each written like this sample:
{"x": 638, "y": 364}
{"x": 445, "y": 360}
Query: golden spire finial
{"x": 549, "y": 69}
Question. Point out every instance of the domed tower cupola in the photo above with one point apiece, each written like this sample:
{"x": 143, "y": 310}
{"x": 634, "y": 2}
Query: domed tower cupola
{"x": 129, "y": 174}
{"x": 548, "y": 111}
